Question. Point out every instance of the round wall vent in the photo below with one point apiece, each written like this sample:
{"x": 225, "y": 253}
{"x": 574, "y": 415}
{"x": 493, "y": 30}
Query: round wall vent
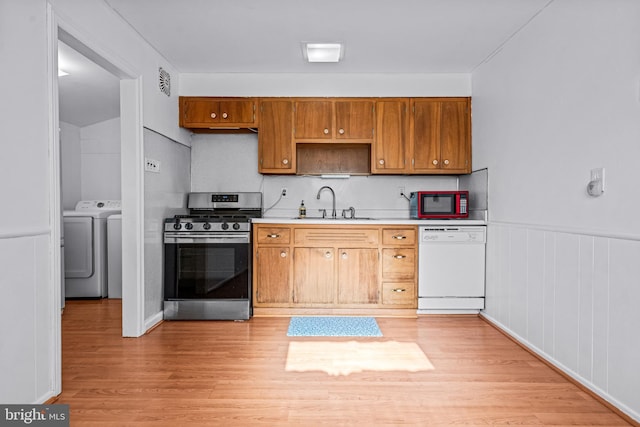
{"x": 164, "y": 81}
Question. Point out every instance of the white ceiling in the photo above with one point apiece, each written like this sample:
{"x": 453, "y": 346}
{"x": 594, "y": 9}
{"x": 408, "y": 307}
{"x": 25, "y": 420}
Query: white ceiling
{"x": 265, "y": 36}
{"x": 89, "y": 94}
{"x": 380, "y": 36}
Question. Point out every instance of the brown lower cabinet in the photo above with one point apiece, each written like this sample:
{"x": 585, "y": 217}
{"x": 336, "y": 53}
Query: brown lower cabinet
{"x": 327, "y": 268}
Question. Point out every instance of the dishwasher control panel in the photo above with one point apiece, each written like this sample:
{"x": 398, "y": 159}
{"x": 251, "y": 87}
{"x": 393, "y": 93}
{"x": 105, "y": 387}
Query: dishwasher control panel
{"x": 452, "y": 234}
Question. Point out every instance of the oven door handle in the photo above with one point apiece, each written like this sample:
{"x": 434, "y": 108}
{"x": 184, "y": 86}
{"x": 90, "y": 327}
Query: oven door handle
{"x": 203, "y": 240}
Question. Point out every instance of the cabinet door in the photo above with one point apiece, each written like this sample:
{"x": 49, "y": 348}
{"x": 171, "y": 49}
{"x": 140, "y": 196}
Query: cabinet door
{"x": 454, "y": 135}
{"x": 354, "y": 120}
{"x": 313, "y": 277}
{"x": 275, "y": 143}
{"x": 272, "y": 275}
{"x": 358, "y": 276}
{"x": 313, "y": 120}
{"x": 199, "y": 112}
{"x": 425, "y": 138}
{"x": 390, "y": 146}
{"x": 237, "y": 112}
{"x": 440, "y": 140}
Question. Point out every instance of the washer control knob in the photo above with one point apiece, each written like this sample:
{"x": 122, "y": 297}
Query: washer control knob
{"x": 188, "y": 226}
{"x": 224, "y": 226}
{"x": 236, "y": 226}
{"x": 177, "y": 226}
{"x": 206, "y": 226}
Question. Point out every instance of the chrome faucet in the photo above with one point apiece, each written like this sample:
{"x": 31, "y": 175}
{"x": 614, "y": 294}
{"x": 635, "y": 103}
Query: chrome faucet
{"x": 334, "y": 215}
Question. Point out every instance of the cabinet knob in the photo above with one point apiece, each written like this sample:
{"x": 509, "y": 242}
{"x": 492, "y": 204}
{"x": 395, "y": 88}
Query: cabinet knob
{"x": 381, "y": 161}
{"x": 327, "y": 254}
{"x": 341, "y": 131}
{"x": 225, "y": 115}
{"x": 435, "y": 162}
{"x": 326, "y": 131}
{"x": 283, "y": 254}
{"x": 285, "y": 161}
{"x": 273, "y": 236}
{"x": 399, "y": 237}
{"x": 399, "y": 256}
{"x": 446, "y": 162}
{"x": 344, "y": 255}
{"x": 399, "y": 290}
{"x": 214, "y": 115}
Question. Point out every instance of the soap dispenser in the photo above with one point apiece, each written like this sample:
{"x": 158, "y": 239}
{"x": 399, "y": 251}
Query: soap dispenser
{"x": 302, "y": 210}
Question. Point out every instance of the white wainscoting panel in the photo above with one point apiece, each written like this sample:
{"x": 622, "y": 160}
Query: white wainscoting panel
{"x": 574, "y": 298}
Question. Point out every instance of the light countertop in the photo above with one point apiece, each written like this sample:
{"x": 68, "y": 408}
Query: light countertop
{"x": 373, "y": 221}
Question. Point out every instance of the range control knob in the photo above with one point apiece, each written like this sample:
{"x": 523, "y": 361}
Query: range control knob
{"x": 236, "y": 226}
{"x": 188, "y": 226}
{"x": 177, "y": 226}
{"x": 206, "y": 226}
{"x": 224, "y": 226}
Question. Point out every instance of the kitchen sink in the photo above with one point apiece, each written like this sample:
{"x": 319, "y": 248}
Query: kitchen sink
{"x": 319, "y": 218}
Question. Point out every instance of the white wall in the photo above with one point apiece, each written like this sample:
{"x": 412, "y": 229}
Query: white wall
{"x": 29, "y": 319}
{"x": 165, "y": 194}
{"x": 230, "y": 163}
{"x": 334, "y": 84}
{"x": 70, "y": 165}
{"x": 561, "y": 98}
{"x": 100, "y": 161}
{"x": 27, "y": 347}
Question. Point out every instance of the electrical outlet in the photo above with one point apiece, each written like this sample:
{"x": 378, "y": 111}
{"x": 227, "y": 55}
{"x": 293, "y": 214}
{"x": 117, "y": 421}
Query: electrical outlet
{"x": 283, "y": 192}
{"x": 400, "y": 191}
{"x": 152, "y": 165}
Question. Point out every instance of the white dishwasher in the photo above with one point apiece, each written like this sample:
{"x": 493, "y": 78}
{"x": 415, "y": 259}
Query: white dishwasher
{"x": 451, "y": 269}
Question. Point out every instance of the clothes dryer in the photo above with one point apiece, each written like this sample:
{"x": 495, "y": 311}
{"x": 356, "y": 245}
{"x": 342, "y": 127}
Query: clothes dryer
{"x": 85, "y": 248}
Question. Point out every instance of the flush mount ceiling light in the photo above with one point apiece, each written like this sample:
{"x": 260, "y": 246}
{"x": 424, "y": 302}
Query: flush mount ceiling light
{"x": 322, "y": 52}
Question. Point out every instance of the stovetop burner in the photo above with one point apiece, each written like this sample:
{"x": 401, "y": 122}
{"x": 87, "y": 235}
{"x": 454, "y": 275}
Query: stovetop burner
{"x": 217, "y": 212}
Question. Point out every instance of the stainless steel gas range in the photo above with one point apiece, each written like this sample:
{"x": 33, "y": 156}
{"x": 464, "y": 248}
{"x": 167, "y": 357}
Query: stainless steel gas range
{"x": 207, "y": 271}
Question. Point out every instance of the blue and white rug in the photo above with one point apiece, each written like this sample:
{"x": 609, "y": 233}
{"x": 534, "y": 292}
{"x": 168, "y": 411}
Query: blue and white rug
{"x": 333, "y": 327}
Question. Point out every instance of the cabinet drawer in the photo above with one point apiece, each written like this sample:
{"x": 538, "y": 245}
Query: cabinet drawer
{"x": 342, "y": 237}
{"x": 399, "y": 293}
{"x": 273, "y": 235}
{"x": 397, "y": 236}
{"x": 398, "y": 263}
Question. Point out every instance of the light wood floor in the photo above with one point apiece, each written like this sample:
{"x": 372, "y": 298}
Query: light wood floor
{"x": 223, "y": 373}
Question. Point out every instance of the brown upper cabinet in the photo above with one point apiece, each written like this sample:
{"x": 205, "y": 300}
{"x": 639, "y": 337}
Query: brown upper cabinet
{"x": 391, "y": 142}
{"x": 276, "y": 150}
{"x": 217, "y": 113}
{"x": 325, "y": 120}
{"x": 441, "y": 136}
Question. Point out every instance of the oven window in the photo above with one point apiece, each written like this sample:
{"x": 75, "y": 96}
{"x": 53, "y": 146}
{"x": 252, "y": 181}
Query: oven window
{"x": 212, "y": 271}
{"x": 439, "y": 204}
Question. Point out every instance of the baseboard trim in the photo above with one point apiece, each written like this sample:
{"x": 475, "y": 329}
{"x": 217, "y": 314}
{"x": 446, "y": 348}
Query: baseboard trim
{"x": 153, "y": 322}
{"x": 626, "y": 417}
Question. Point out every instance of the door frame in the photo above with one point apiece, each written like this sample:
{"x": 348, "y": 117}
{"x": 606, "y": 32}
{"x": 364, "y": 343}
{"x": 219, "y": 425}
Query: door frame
{"x": 132, "y": 154}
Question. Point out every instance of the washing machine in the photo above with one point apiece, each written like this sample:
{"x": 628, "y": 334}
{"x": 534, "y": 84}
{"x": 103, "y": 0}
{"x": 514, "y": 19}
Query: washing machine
{"x": 114, "y": 256}
{"x": 85, "y": 248}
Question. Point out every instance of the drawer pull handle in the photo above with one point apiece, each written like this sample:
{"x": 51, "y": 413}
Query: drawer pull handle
{"x": 344, "y": 255}
{"x": 214, "y": 115}
{"x": 225, "y": 116}
{"x": 285, "y": 161}
{"x": 283, "y": 254}
{"x": 327, "y": 254}
{"x": 399, "y": 256}
{"x": 399, "y": 237}
{"x": 273, "y": 236}
{"x": 399, "y": 290}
